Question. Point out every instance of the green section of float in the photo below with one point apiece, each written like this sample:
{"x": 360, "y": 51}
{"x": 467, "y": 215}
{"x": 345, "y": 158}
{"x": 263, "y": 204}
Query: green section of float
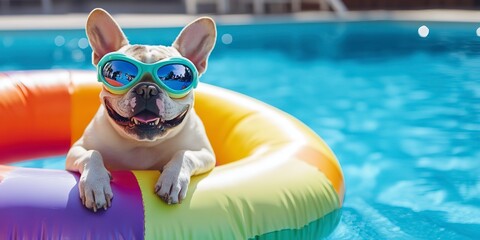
{"x": 236, "y": 201}
{"x": 314, "y": 230}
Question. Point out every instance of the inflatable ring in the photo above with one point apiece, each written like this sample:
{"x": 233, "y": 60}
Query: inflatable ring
{"x": 275, "y": 178}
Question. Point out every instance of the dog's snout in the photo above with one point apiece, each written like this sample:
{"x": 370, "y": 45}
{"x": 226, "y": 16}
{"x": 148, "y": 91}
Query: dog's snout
{"x": 147, "y": 90}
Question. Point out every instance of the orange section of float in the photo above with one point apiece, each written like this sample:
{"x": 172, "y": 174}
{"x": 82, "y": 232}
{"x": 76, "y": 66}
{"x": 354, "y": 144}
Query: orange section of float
{"x": 33, "y": 115}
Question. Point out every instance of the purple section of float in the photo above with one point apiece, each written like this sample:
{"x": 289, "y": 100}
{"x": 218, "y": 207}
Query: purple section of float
{"x": 45, "y": 204}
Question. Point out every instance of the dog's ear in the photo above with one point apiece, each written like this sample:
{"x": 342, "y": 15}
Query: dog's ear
{"x": 104, "y": 34}
{"x": 196, "y": 41}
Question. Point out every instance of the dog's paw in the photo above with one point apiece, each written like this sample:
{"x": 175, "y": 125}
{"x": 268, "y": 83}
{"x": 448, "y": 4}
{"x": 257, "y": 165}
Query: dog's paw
{"x": 95, "y": 190}
{"x": 172, "y": 185}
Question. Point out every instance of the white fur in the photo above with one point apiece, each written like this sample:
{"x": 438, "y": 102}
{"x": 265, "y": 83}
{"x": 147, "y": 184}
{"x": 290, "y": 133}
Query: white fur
{"x": 181, "y": 152}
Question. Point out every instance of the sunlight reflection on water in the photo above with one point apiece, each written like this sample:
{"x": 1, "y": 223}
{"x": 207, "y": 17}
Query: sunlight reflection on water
{"x": 401, "y": 112}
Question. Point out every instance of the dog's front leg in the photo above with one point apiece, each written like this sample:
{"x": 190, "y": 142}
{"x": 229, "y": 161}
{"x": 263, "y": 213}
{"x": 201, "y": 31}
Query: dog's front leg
{"x": 94, "y": 184}
{"x": 173, "y": 183}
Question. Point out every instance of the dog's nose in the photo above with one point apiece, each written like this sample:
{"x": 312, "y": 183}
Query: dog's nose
{"x": 147, "y": 90}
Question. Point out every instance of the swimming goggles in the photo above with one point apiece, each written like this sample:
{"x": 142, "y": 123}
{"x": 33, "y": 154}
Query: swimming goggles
{"x": 119, "y": 72}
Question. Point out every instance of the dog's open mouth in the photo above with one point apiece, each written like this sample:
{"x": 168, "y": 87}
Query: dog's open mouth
{"x": 145, "y": 120}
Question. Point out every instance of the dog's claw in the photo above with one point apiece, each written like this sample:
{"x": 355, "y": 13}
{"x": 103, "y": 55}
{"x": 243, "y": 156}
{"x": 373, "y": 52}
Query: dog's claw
{"x": 172, "y": 187}
{"x": 109, "y": 201}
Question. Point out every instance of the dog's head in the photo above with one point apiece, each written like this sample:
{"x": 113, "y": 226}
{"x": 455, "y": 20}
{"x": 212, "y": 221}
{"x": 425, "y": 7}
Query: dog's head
{"x": 147, "y": 111}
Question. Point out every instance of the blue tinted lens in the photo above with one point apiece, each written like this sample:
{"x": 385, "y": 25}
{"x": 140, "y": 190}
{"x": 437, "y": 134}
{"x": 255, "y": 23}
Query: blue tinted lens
{"x": 119, "y": 73}
{"x": 176, "y": 76}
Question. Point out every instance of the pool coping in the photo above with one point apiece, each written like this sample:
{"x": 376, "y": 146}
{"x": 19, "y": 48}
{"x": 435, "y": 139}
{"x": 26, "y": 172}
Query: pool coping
{"x": 77, "y": 21}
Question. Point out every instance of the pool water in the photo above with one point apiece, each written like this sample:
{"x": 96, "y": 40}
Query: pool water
{"x": 401, "y": 112}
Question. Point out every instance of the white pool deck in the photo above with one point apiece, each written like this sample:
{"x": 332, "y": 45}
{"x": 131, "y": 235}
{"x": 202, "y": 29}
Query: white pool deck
{"x": 77, "y": 21}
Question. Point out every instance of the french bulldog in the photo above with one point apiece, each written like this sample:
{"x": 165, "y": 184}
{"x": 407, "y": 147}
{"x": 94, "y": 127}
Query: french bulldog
{"x": 143, "y": 128}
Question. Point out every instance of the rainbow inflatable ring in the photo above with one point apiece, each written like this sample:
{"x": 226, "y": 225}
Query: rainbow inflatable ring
{"x": 275, "y": 178}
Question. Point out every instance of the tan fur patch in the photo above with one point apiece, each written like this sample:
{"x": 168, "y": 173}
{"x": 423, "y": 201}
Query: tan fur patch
{"x": 149, "y": 54}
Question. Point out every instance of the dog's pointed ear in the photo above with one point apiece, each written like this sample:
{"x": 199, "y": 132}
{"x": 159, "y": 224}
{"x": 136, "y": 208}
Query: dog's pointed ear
{"x": 104, "y": 34}
{"x": 196, "y": 41}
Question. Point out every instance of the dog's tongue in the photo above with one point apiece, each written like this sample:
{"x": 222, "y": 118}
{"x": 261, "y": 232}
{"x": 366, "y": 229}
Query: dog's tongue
{"x": 146, "y": 117}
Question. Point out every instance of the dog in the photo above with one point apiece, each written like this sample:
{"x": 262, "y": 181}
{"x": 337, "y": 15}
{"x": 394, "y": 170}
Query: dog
{"x": 145, "y": 125}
